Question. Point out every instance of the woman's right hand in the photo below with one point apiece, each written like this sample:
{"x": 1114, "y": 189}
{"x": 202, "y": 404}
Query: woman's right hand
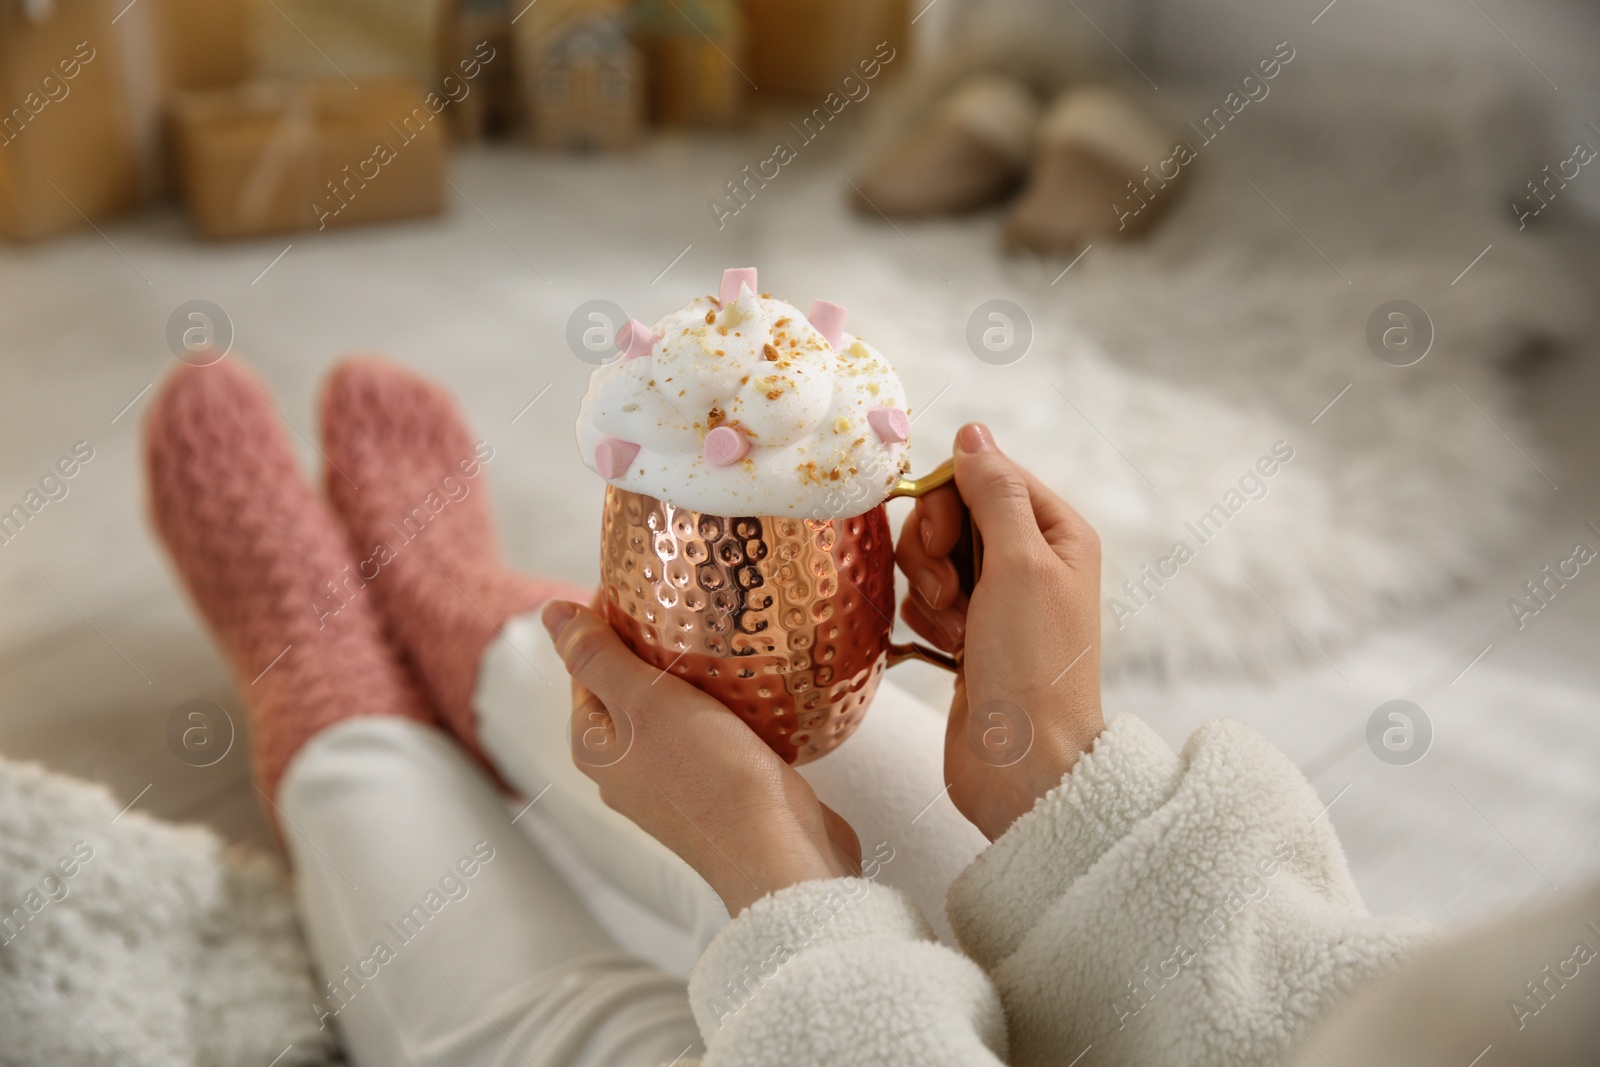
{"x": 1027, "y": 699}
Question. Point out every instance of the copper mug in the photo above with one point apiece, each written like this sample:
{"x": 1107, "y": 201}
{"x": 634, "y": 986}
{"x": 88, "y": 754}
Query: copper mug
{"x": 785, "y": 620}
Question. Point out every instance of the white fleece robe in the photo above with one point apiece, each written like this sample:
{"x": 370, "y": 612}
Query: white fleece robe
{"x": 1157, "y": 908}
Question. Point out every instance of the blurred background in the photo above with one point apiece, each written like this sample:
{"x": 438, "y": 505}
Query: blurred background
{"x": 1150, "y": 242}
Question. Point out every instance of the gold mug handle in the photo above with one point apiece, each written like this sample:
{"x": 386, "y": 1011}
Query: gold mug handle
{"x": 967, "y": 557}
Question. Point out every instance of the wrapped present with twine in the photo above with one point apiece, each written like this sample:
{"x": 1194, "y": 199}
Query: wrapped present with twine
{"x": 268, "y": 158}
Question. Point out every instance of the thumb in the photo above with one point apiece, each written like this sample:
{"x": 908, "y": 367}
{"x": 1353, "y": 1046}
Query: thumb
{"x": 595, "y": 656}
{"x": 994, "y": 490}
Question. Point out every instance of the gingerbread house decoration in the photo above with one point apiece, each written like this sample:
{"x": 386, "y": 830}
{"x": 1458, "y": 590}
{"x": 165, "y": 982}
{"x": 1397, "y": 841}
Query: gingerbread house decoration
{"x": 583, "y": 81}
{"x": 695, "y": 51}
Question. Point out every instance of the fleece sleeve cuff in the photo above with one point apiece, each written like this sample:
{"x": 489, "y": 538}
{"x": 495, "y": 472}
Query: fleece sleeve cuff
{"x": 1129, "y": 774}
{"x": 751, "y": 950}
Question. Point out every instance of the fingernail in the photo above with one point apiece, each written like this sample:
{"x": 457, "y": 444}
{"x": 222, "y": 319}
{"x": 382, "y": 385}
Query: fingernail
{"x": 951, "y": 625}
{"x": 975, "y": 437}
{"x": 556, "y": 615}
{"x": 927, "y": 536}
{"x": 928, "y": 586}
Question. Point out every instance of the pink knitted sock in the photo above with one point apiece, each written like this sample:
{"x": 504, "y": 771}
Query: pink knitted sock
{"x": 257, "y": 548}
{"x": 408, "y": 478}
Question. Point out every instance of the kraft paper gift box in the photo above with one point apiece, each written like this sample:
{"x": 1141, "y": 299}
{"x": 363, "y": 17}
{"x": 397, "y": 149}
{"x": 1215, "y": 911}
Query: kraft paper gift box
{"x": 81, "y": 90}
{"x": 75, "y": 110}
{"x": 203, "y": 44}
{"x": 268, "y": 158}
{"x": 807, "y": 47}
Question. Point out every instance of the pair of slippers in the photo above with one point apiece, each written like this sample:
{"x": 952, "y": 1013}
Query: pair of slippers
{"x": 1089, "y": 165}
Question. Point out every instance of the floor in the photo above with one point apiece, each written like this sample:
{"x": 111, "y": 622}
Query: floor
{"x": 99, "y": 652}
{"x": 98, "y": 648}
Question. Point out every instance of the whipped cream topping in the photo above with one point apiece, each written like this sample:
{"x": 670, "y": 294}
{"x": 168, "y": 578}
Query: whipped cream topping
{"x": 740, "y": 404}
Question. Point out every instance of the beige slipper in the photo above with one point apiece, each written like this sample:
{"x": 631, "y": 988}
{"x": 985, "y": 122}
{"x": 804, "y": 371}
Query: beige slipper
{"x": 1103, "y": 169}
{"x": 971, "y": 152}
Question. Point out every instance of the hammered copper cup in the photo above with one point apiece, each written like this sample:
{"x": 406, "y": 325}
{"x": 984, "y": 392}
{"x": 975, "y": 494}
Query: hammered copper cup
{"x": 784, "y": 620}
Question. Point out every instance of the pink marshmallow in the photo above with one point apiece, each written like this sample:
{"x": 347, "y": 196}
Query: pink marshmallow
{"x": 734, "y": 277}
{"x": 635, "y": 339}
{"x": 612, "y": 456}
{"x": 890, "y": 424}
{"x": 827, "y": 318}
{"x": 726, "y": 445}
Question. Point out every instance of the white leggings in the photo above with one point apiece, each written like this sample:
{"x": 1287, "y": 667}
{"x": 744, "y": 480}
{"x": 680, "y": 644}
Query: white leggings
{"x": 444, "y": 935}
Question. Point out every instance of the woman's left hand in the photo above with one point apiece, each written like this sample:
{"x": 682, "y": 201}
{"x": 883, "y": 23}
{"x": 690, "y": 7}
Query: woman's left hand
{"x": 690, "y": 773}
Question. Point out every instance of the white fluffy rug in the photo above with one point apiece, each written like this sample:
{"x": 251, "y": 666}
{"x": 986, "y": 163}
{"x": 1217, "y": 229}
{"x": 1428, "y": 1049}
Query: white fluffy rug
{"x": 181, "y": 952}
{"x": 1161, "y": 372}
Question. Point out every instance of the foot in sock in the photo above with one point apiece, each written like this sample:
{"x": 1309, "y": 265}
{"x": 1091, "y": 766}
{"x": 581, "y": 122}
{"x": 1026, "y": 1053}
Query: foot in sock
{"x": 256, "y": 548}
{"x": 407, "y": 477}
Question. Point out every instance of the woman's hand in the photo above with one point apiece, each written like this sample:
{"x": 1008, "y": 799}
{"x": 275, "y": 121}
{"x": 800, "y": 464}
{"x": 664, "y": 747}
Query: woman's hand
{"x": 690, "y": 773}
{"x": 1027, "y": 700}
